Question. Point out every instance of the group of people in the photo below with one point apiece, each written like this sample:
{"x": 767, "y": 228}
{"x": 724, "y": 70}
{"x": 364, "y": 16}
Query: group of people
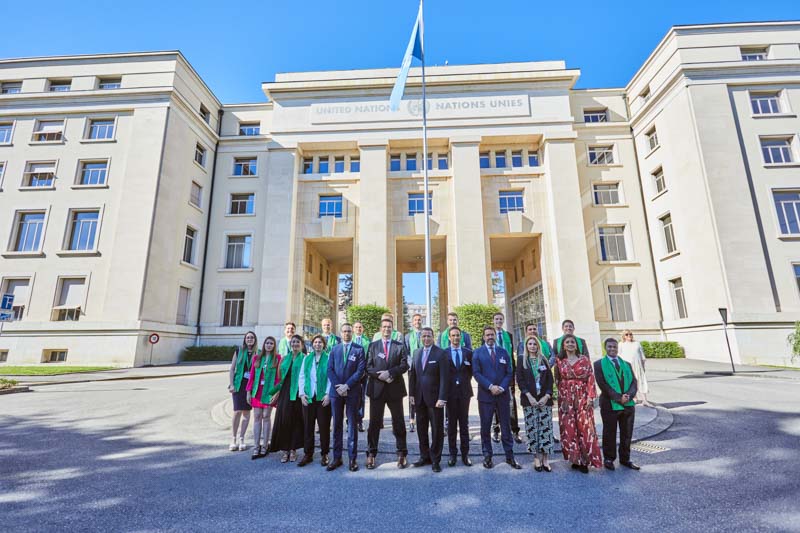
{"x": 310, "y": 389}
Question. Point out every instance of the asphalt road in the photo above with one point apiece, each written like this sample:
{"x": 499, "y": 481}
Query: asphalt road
{"x": 145, "y": 456}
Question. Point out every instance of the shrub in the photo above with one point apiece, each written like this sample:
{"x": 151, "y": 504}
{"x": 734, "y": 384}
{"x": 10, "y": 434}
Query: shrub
{"x": 7, "y": 383}
{"x": 473, "y": 317}
{"x": 794, "y": 341}
{"x": 208, "y": 353}
{"x": 662, "y": 350}
{"x": 370, "y": 317}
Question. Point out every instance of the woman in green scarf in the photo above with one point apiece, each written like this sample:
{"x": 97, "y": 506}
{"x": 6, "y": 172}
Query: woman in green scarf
{"x": 535, "y": 382}
{"x": 238, "y": 376}
{"x": 263, "y": 377}
{"x": 287, "y": 432}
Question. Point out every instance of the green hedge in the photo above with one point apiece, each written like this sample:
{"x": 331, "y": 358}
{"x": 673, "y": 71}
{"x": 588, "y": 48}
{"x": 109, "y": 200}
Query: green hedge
{"x": 208, "y": 353}
{"x": 662, "y": 350}
{"x": 7, "y": 383}
{"x": 370, "y": 317}
{"x": 473, "y": 317}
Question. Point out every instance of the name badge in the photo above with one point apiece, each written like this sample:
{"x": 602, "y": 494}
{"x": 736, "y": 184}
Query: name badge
{"x": 262, "y": 381}
{"x": 502, "y": 361}
{"x": 457, "y": 382}
{"x": 382, "y": 355}
{"x": 432, "y": 362}
{"x": 247, "y": 375}
{"x": 351, "y": 358}
{"x": 542, "y": 368}
{"x": 467, "y": 363}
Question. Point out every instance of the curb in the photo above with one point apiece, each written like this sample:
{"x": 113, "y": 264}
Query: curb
{"x": 662, "y": 422}
{"x": 757, "y": 374}
{"x": 13, "y": 390}
{"x": 121, "y": 378}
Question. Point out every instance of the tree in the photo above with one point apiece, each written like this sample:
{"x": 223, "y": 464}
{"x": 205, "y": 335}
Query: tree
{"x": 345, "y": 291}
{"x": 406, "y": 325}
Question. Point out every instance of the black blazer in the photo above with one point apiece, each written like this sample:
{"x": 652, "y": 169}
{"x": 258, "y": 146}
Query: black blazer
{"x": 431, "y": 383}
{"x": 396, "y": 363}
{"x": 606, "y": 392}
{"x": 526, "y": 383}
{"x": 462, "y": 389}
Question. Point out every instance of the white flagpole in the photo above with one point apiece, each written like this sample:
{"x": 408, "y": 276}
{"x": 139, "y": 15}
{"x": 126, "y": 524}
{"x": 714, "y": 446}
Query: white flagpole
{"x": 425, "y": 174}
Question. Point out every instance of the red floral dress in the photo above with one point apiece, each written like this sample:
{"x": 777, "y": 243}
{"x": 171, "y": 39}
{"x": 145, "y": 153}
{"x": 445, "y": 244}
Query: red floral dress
{"x": 576, "y": 390}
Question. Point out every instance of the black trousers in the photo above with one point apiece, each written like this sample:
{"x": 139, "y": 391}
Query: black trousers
{"x": 458, "y": 424}
{"x": 314, "y": 413}
{"x": 362, "y": 406}
{"x": 512, "y": 405}
{"x": 611, "y": 420}
{"x": 433, "y": 417}
{"x": 376, "y": 411}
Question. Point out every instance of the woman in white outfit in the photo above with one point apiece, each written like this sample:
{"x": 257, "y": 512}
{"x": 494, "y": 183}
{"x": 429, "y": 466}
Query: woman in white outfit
{"x": 631, "y": 351}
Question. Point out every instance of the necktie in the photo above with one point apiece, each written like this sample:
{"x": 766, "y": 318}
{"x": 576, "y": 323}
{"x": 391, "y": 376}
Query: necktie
{"x": 491, "y": 354}
{"x": 418, "y": 337}
{"x": 458, "y": 359}
{"x": 346, "y": 351}
{"x": 424, "y": 358}
{"x": 616, "y": 363}
{"x": 386, "y": 351}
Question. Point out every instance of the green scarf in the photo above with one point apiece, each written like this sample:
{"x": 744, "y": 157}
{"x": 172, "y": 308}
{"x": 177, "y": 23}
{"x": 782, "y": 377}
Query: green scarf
{"x": 444, "y": 338}
{"x": 362, "y": 341}
{"x": 330, "y": 344}
{"x": 505, "y": 343}
{"x": 612, "y": 378}
{"x": 561, "y": 339}
{"x": 322, "y": 375}
{"x": 395, "y": 336}
{"x": 414, "y": 343}
{"x": 535, "y": 367}
{"x": 242, "y": 365}
{"x": 294, "y": 378}
{"x": 283, "y": 346}
{"x": 544, "y": 347}
{"x": 265, "y": 368}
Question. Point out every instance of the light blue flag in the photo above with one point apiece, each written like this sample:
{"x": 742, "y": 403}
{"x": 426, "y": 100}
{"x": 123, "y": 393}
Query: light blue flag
{"x": 414, "y": 50}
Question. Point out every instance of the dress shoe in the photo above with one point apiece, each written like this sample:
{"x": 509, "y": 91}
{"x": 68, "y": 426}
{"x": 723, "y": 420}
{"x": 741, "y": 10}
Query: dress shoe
{"x": 547, "y": 468}
{"x": 513, "y": 463}
{"x": 632, "y": 466}
{"x": 360, "y": 427}
{"x": 466, "y": 460}
{"x": 307, "y": 459}
{"x": 412, "y": 427}
{"x": 487, "y": 462}
{"x": 576, "y": 467}
{"x": 421, "y": 462}
{"x": 609, "y": 464}
{"x": 324, "y": 461}
{"x": 402, "y": 461}
{"x": 452, "y": 461}
{"x": 353, "y": 466}
{"x": 370, "y": 462}
{"x": 517, "y": 439}
{"x": 334, "y": 465}
{"x": 538, "y": 468}
{"x": 496, "y": 436}
{"x": 584, "y": 469}
{"x": 436, "y": 467}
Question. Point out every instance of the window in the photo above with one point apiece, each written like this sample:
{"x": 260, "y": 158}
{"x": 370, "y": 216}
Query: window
{"x": 355, "y": 164}
{"x": 500, "y": 159}
{"x": 411, "y": 161}
{"x": 443, "y": 162}
{"x": 184, "y": 296}
{"x": 516, "y": 159}
{"x": 237, "y": 254}
{"x": 60, "y": 86}
{"x": 765, "y": 103}
{"x": 245, "y": 166}
{"x": 109, "y": 83}
{"x": 652, "y": 139}
{"x": 430, "y": 161}
{"x": 55, "y": 356}
{"x": 416, "y": 203}
{"x": 19, "y": 288}
{"x": 11, "y": 87}
{"x": 308, "y": 165}
{"x": 394, "y": 163}
{"x": 310, "y": 264}
{"x": 188, "y": 245}
{"x": 320, "y": 271}
{"x": 754, "y": 54}
{"x": 205, "y": 114}
{"x": 787, "y": 204}
{"x": 48, "y": 131}
{"x": 485, "y": 161}
{"x": 39, "y": 174}
{"x": 601, "y": 155}
{"x": 606, "y": 194}
{"x": 330, "y": 206}
{"x": 338, "y": 164}
{"x": 196, "y": 194}
{"x": 3, "y": 356}
{"x": 29, "y": 228}
{"x": 70, "y": 299}
{"x": 678, "y": 297}
{"x": 522, "y": 267}
{"x": 612, "y": 243}
{"x": 101, "y": 128}
{"x": 83, "y": 230}
{"x": 6, "y": 129}
{"x": 669, "y": 233}
{"x": 93, "y": 172}
{"x": 323, "y": 165}
{"x": 200, "y": 155}
{"x": 533, "y": 159}
{"x": 595, "y": 115}
{"x": 248, "y": 129}
{"x": 619, "y": 297}
{"x": 233, "y": 308}
{"x": 796, "y": 269}
{"x": 511, "y": 201}
{"x": 777, "y": 151}
{"x": 658, "y": 180}
{"x": 242, "y": 204}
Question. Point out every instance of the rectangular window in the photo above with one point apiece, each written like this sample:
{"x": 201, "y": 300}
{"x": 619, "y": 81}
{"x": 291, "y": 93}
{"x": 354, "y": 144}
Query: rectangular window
{"x": 601, "y": 155}
{"x": 678, "y": 297}
{"x": 411, "y": 161}
{"x": 658, "y": 180}
{"x": 619, "y": 296}
{"x": 765, "y": 103}
{"x": 485, "y": 160}
{"x": 443, "y": 161}
{"x": 595, "y": 115}
{"x": 395, "y": 163}
{"x": 48, "y": 131}
{"x": 93, "y": 172}
{"x": 184, "y": 297}
{"x": 320, "y": 271}
{"x": 205, "y": 114}
{"x": 101, "y": 128}
{"x": 109, "y": 83}
{"x": 308, "y": 165}
{"x": 500, "y": 159}
{"x": 323, "y": 165}
{"x": 416, "y": 203}
{"x": 612, "y": 243}
{"x": 430, "y": 161}
{"x": 70, "y": 300}
{"x": 3, "y": 356}
{"x": 516, "y": 159}
{"x": 606, "y": 194}
{"x": 55, "y": 356}
{"x": 787, "y": 204}
{"x": 795, "y": 267}
{"x": 40, "y": 174}
{"x": 355, "y": 164}
{"x": 19, "y": 288}
{"x": 11, "y": 87}
{"x": 242, "y": 204}
{"x": 522, "y": 267}
{"x": 196, "y": 194}
{"x": 330, "y": 206}
{"x": 5, "y": 132}
{"x": 338, "y": 164}
{"x": 248, "y": 129}
{"x": 754, "y": 53}
{"x": 200, "y": 155}
{"x": 245, "y": 166}
{"x": 511, "y": 201}
{"x": 777, "y": 151}
{"x": 233, "y": 308}
{"x": 669, "y": 233}
{"x": 237, "y": 254}
{"x": 310, "y": 264}
{"x": 533, "y": 159}
{"x": 188, "y": 245}
{"x": 83, "y": 230}
{"x": 29, "y": 228}
{"x": 652, "y": 139}
{"x": 60, "y": 86}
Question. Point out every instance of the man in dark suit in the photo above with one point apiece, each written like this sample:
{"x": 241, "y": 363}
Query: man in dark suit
{"x": 413, "y": 341}
{"x": 387, "y": 361}
{"x": 458, "y": 398}
{"x": 429, "y": 381}
{"x": 618, "y": 387}
{"x": 568, "y": 328}
{"x": 506, "y": 341}
{"x": 346, "y": 364}
{"x": 491, "y": 366}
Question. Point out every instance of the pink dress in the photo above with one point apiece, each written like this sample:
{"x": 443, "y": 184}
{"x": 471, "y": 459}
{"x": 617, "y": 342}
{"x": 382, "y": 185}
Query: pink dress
{"x": 256, "y": 401}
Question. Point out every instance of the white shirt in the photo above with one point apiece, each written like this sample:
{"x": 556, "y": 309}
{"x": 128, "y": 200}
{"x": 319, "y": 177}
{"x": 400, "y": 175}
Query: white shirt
{"x": 313, "y": 379}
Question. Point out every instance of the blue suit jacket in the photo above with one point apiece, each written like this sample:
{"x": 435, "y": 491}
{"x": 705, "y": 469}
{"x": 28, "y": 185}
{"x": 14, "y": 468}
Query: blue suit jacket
{"x": 487, "y": 374}
{"x": 349, "y": 373}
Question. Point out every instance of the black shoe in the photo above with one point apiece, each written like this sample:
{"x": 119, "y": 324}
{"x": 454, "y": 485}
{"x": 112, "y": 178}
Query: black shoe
{"x": 537, "y": 468}
{"x": 436, "y": 467}
{"x": 360, "y": 427}
{"x": 584, "y": 469}
{"x": 609, "y": 464}
{"x": 517, "y": 439}
{"x": 306, "y": 460}
{"x": 513, "y": 463}
{"x": 487, "y": 462}
{"x": 466, "y": 460}
{"x": 334, "y": 465}
{"x": 576, "y": 467}
{"x": 353, "y": 466}
{"x": 632, "y": 466}
{"x": 452, "y": 461}
{"x": 421, "y": 462}
{"x": 370, "y": 462}
{"x": 496, "y": 436}
{"x": 547, "y": 468}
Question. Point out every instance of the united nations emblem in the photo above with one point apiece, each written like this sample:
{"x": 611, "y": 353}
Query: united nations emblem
{"x": 415, "y": 107}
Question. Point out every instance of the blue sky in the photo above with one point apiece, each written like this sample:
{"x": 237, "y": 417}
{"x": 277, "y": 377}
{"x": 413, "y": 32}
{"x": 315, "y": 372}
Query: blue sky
{"x": 236, "y": 45}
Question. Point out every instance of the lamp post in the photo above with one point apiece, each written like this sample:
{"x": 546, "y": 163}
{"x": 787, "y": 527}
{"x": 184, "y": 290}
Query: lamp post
{"x": 723, "y": 312}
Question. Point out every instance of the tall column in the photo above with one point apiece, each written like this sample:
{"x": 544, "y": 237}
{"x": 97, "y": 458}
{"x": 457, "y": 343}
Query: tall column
{"x": 468, "y": 258}
{"x": 565, "y": 267}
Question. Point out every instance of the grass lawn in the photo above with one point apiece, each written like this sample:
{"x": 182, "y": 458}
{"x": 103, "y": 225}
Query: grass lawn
{"x": 48, "y": 370}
